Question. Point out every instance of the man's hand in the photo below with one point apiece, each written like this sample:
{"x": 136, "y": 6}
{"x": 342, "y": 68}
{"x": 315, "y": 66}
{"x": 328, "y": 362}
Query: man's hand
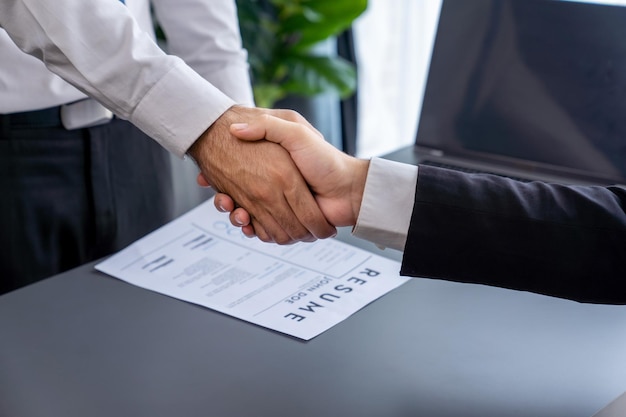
{"x": 336, "y": 179}
{"x": 262, "y": 178}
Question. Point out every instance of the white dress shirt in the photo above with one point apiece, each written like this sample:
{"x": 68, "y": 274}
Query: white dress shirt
{"x": 106, "y": 50}
{"x": 387, "y": 203}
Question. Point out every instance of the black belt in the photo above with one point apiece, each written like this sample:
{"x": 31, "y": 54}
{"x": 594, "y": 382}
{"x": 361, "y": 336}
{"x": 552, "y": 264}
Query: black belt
{"x": 50, "y": 117}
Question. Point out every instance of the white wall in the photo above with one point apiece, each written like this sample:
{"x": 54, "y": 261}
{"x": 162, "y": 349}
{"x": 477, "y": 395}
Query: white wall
{"x": 393, "y": 41}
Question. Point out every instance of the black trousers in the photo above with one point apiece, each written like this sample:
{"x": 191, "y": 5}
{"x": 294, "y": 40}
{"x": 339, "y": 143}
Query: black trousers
{"x": 69, "y": 197}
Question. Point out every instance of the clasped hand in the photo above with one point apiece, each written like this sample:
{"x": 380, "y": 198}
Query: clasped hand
{"x": 335, "y": 179}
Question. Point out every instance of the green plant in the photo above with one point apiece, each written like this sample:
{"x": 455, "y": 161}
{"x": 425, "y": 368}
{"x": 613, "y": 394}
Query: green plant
{"x": 281, "y": 35}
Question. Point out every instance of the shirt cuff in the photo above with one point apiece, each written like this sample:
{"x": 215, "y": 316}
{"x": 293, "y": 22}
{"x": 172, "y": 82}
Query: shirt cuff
{"x": 193, "y": 104}
{"x": 387, "y": 203}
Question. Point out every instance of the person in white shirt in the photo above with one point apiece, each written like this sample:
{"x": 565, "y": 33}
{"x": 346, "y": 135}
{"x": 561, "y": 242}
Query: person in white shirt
{"x": 78, "y": 183}
{"x": 566, "y": 241}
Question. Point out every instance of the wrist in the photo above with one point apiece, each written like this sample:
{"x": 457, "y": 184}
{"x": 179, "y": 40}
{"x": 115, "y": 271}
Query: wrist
{"x": 359, "y": 169}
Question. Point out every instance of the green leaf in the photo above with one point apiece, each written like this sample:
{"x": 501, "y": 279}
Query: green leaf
{"x": 311, "y": 75}
{"x": 331, "y": 17}
{"x": 265, "y": 95}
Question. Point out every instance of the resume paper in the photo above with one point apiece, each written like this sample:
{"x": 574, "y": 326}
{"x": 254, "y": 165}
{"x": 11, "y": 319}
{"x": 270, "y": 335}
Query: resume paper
{"x": 301, "y": 290}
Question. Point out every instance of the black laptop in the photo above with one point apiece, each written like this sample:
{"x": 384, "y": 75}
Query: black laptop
{"x": 532, "y": 89}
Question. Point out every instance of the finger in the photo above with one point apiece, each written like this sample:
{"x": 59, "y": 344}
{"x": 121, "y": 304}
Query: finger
{"x": 248, "y": 231}
{"x": 202, "y": 181}
{"x": 260, "y": 232}
{"x": 288, "y": 134}
{"x": 224, "y": 203}
{"x": 280, "y": 227}
{"x": 295, "y": 117}
{"x": 283, "y": 233}
{"x": 246, "y": 228}
{"x": 310, "y": 216}
{"x": 240, "y": 217}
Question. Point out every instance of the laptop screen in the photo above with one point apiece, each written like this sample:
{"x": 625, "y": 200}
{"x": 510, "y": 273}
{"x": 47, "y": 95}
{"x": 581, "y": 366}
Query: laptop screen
{"x": 539, "y": 84}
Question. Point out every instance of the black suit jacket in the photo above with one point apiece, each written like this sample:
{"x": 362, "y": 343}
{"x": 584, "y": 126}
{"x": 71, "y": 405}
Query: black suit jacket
{"x": 564, "y": 241}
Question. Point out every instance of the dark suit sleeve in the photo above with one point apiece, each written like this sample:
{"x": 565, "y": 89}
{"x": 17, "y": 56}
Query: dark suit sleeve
{"x": 564, "y": 241}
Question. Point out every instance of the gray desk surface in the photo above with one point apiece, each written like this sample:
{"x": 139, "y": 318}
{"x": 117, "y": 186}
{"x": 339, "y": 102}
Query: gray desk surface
{"x": 84, "y": 344}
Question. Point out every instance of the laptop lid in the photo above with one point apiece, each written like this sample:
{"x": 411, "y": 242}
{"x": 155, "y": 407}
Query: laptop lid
{"x": 534, "y": 87}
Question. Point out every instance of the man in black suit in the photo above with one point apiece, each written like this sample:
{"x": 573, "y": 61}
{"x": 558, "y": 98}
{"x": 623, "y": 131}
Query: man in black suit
{"x": 564, "y": 241}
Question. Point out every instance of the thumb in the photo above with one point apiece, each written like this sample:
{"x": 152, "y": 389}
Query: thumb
{"x": 289, "y": 135}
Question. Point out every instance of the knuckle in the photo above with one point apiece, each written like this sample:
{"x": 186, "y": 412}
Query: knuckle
{"x": 301, "y": 130}
{"x": 265, "y": 117}
{"x": 292, "y": 115}
{"x": 262, "y": 195}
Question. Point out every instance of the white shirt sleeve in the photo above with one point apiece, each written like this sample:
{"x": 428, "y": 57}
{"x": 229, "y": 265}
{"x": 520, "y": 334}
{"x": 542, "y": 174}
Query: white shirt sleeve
{"x": 387, "y": 203}
{"x": 205, "y": 34}
{"x": 98, "y": 47}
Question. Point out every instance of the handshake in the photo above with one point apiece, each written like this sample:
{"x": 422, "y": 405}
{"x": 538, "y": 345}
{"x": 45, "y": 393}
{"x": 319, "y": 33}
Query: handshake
{"x": 282, "y": 181}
